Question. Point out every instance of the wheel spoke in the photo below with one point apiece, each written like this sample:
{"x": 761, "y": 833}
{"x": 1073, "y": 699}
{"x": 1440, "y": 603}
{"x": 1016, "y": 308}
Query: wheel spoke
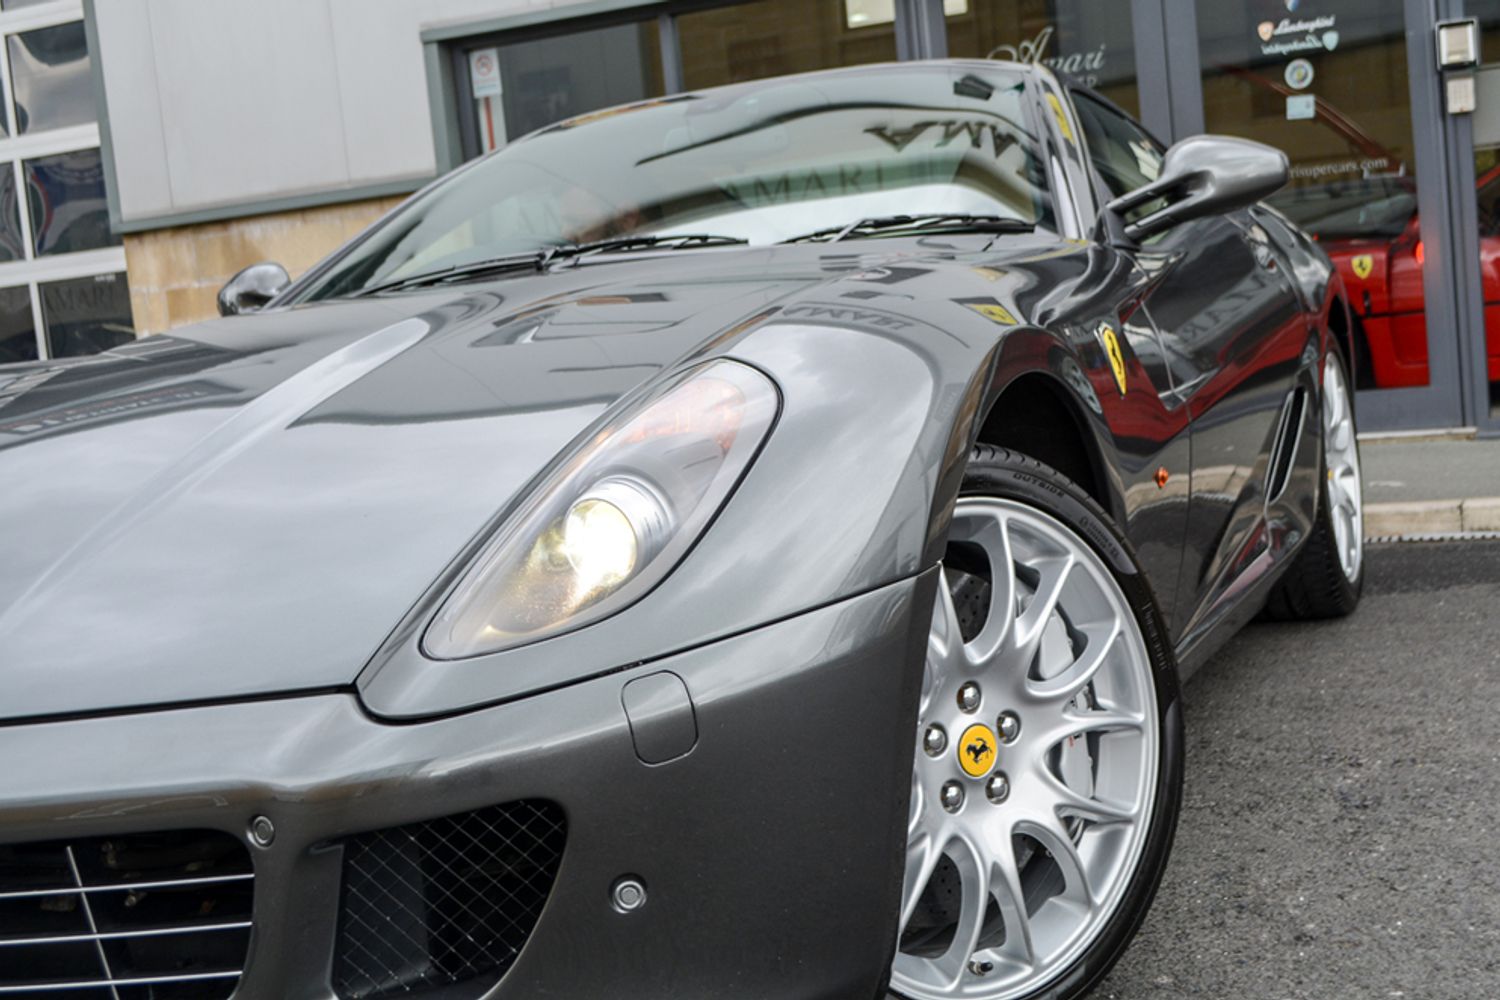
{"x": 1050, "y": 833}
{"x": 1095, "y": 810}
{"x": 945, "y": 641}
{"x": 1029, "y": 627}
{"x": 973, "y": 905}
{"x": 993, "y": 536}
{"x": 1099, "y": 640}
{"x": 1009, "y": 895}
{"x": 922, "y": 857}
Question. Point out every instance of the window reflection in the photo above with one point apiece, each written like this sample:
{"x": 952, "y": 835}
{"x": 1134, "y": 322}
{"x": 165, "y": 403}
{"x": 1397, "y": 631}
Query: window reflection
{"x": 86, "y": 315}
{"x": 1089, "y": 42}
{"x": 49, "y": 71}
{"x": 546, "y": 80}
{"x": 69, "y": 211}
{"x": 1328, "y": 84}
{"x": 17, "y": 334}
{"x": 752, "y": 41}
{"x": 12, "y": 246}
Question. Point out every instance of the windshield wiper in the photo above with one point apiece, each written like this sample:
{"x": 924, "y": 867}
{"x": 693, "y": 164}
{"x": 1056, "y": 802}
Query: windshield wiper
{"x": 533, "y": 259}
{"x": 889, "y": 225}
{"x": 539, "y": 259}
{"x": 670, "y": 241}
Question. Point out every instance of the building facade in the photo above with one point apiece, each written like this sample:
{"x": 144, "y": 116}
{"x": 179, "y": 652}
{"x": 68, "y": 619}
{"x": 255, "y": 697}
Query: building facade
{"x": 164, "y": 144}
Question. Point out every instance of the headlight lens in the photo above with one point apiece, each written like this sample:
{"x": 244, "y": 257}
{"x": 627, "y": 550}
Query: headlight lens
{"x": 616, "y": 519}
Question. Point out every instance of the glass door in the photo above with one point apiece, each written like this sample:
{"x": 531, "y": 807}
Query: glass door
{"x": 1331, "y": 82}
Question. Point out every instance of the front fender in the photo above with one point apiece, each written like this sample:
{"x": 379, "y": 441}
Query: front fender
{"x": 850, "y": 493}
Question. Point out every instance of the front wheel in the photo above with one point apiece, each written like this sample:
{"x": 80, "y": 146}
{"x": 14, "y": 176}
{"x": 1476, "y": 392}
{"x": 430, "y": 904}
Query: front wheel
{"x": 1047, "y": 768}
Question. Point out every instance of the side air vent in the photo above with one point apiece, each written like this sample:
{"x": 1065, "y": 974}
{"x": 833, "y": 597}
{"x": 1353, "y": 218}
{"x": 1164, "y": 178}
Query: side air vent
{"x": 450, "y": 901}
{"x": 145, "y": 916}
{"x": 1288, "y": 437}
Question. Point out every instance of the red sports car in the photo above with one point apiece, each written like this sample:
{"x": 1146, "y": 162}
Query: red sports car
{"x": 1369, "y": 229}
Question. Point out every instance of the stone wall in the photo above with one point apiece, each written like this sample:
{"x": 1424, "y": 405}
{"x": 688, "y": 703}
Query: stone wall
{"x": 176, "y": 273}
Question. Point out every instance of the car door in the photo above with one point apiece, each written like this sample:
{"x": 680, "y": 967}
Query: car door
{"x": 1147, "y": 423}
{"x": 1233, "y": 332}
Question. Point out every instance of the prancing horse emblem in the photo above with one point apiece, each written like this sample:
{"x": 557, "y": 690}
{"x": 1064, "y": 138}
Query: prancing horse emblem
{"x": 976, "y": 750}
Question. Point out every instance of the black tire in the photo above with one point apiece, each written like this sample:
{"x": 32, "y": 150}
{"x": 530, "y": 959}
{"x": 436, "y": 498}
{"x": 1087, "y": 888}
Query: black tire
{"x": 1315, "y": 585}
{"x": 997, "y": 472}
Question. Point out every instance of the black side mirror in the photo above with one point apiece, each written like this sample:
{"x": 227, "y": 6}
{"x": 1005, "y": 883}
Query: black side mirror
{"x": 252, "y": 288}
{"x": 1203, "y": 175}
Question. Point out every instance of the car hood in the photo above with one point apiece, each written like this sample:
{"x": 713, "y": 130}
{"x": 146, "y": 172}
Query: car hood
{"x": 249, "y": 506}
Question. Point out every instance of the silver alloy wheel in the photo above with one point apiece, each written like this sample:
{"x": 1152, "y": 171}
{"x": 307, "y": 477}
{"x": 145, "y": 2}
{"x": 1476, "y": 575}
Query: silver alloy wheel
{"x": 1341, "y": 460}
{"x": 1006, "y": 889}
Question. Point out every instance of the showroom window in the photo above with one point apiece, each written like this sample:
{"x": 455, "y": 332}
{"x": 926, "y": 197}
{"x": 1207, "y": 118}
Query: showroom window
{"x": 513, "y": 82}
{"x": 1091, "y": 43}
{"x": 63, "y": 290}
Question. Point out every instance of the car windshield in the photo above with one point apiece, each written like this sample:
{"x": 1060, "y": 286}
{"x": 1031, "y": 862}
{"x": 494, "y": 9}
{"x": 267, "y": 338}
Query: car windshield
{"x": 762, "y": 162}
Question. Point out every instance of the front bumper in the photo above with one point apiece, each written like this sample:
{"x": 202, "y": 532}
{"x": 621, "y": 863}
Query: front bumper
{"x": 772, "y": 851}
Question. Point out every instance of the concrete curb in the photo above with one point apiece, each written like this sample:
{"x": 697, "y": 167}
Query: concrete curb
{"x": 1432, "y": 517}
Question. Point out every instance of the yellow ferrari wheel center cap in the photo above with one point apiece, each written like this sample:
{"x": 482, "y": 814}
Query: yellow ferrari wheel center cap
{"x": 976, "y": 750}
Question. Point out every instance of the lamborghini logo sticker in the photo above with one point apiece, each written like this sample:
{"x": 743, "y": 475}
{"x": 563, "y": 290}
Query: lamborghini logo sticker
{"x": 1116, "y": 356}
{"x": 1362, "y": 265}
{"x": 976, "y": 750}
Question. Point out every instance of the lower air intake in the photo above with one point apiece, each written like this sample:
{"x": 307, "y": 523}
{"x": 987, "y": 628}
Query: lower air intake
{"x": 145, "y": 916}
{"x": 451, "y": 901}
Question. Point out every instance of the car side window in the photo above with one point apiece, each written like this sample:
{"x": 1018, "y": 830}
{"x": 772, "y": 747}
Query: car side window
{"x": 1125, "y": 156}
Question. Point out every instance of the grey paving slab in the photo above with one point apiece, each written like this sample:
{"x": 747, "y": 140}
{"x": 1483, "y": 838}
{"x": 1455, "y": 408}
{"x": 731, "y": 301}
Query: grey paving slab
{"x": 1397, "y": 471}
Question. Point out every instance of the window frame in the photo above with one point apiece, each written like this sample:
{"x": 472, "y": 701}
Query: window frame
{"x": 33, "y": 270}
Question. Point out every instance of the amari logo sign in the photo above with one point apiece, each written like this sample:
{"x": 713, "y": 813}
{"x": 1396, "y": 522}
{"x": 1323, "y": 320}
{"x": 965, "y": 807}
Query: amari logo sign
{"x": 1083, "y": 65}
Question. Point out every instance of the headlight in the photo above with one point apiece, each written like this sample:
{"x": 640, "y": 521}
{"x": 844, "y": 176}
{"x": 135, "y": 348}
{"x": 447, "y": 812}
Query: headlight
{"x": 616, "y": 519}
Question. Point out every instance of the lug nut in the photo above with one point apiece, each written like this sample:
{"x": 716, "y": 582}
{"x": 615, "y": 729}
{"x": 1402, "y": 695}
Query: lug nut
{"x": 968, "y": 697}
{"x": 952, "y": 796}
{"x": 934, "y": 741}
{"x": 997, "y": 789}
{"x": 1009, "y": 726}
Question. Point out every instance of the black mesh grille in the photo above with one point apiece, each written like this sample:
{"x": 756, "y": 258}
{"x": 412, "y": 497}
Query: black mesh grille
{"x": 444, "y": 902}
{"x": 148, "y": 916}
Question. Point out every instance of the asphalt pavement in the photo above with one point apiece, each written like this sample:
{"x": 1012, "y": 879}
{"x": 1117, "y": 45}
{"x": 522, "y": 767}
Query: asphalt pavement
{"x": 1340, "y": 836}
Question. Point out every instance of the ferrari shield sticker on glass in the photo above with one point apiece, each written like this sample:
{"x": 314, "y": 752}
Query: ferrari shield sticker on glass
{"x": 990, "y": 310}
{"x": 1116, "y": 356}
{"x": 1362, "y": 265}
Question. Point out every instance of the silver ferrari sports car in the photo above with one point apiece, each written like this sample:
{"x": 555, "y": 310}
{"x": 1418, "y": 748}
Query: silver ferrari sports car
{"x": 745, "y": 544}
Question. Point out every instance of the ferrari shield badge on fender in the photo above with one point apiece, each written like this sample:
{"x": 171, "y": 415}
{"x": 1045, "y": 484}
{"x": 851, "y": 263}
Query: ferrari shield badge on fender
{"x": 990, "y": 310}
{"x": 1116, "y": 357}
{"x": 1362, "y": 265}
{"x": 976, "y": 750}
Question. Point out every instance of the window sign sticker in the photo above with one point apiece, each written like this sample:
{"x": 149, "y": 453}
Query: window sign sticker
{"x": 484, "y": 72}
{"x": 1301, "y": 107}
{"x": 1299, "y": 74}
{"x": 1291, "y": 35}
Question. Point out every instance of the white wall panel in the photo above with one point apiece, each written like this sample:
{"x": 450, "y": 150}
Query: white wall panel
{"x": 218, "y": 103}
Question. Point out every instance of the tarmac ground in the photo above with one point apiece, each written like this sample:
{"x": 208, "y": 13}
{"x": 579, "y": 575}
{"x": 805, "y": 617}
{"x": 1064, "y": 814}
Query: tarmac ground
{"x": 1340, "y": 835}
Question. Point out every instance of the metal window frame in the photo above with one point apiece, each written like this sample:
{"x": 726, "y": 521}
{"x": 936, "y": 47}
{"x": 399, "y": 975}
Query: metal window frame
{"x": 33, "y": 271}
{"x": 919, "y": 25}
{"x": 1463, "y": 205}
